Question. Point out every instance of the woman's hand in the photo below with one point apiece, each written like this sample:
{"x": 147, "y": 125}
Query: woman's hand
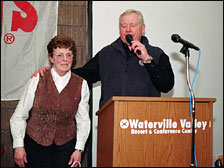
{"x": 20, "y": 156}
{"x": 75, "y": 157}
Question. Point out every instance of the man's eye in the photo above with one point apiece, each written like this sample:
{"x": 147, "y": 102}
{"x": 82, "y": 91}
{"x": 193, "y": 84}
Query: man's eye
{"x": 133, "y": 25}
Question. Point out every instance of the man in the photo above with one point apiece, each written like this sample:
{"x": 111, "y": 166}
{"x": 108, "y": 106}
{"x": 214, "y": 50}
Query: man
{"x": 129, "y": 69}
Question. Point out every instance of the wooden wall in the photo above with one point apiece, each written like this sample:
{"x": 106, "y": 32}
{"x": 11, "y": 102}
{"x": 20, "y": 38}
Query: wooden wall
{"x": 72, "y": 21}
{"x": 7, "y": 109}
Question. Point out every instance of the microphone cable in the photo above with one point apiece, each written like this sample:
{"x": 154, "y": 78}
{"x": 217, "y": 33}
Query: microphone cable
{"x": 199, "y": 55}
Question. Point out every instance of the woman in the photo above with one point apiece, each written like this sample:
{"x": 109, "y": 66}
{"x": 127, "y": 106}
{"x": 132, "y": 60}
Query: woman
{"x": 51, "y": 123}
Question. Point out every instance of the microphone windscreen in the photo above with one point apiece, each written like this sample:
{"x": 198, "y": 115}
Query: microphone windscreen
{"x": 129, "y": 38}
{"x": 175, "y": 38}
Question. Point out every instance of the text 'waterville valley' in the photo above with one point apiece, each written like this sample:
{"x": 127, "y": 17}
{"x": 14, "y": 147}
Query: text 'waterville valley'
{"x": 166, "y": 126}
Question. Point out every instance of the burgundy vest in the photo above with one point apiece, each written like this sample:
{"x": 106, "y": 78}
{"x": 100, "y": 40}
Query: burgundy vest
{"x": 52, "y": 118}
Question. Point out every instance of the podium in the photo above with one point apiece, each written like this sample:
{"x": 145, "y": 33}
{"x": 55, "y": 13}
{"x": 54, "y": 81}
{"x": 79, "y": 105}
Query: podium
{"x": 153, "y": 132}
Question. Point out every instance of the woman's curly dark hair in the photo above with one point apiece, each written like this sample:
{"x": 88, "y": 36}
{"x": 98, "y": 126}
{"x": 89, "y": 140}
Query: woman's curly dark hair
{"x": 62, "y": 41}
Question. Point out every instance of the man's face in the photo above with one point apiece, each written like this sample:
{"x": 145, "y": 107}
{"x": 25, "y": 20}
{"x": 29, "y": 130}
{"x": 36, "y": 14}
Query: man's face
{"x": 130, "y": 25}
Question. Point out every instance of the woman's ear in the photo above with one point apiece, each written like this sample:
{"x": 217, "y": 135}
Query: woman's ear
{"x": 51, "y": 58}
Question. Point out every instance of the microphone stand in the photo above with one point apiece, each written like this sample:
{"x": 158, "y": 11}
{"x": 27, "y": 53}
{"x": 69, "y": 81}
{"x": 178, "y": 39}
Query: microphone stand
{"x": 185, "y": 51}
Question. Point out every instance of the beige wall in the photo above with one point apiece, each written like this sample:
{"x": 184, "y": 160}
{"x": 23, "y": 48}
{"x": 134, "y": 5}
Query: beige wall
{"x": 199, "y": 22}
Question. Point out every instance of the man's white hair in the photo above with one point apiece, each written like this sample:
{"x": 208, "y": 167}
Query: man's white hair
{"x": 129, "y": 11}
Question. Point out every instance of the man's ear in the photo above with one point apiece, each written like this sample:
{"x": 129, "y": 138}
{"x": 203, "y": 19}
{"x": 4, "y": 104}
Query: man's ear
{"x": 143, "y": 29}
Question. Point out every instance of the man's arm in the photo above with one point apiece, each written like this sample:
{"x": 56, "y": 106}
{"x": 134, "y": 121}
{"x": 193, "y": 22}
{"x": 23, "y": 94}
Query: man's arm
{"x": 90, "y": 71}
{"x": 161, "y": 74}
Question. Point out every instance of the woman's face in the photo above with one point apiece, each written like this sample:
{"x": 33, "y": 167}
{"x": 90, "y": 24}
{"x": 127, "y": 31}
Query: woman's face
{"x": 62, "y": 60}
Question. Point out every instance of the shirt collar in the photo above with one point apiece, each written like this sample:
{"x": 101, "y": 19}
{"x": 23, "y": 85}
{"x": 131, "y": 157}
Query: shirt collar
{"x": 58, "y": 77}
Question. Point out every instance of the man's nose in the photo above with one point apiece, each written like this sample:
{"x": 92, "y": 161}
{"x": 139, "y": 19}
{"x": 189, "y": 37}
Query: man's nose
{"x": 128, "y": 28}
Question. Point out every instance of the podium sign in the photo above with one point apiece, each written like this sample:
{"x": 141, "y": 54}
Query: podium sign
{"x": 154, "y": 131}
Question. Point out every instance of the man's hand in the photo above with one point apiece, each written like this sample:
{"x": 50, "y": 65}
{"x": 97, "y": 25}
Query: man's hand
{"x": 136, "y": 45}
{"x": 75, "y": 158}
{"x": 20, "y": 156}
{"x": 41, "y": 71}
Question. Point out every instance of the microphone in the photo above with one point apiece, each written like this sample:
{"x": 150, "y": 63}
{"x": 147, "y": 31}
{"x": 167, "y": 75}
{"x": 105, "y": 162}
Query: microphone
{"x": 177, "y": 39}
{"x": 129, "y": 39}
